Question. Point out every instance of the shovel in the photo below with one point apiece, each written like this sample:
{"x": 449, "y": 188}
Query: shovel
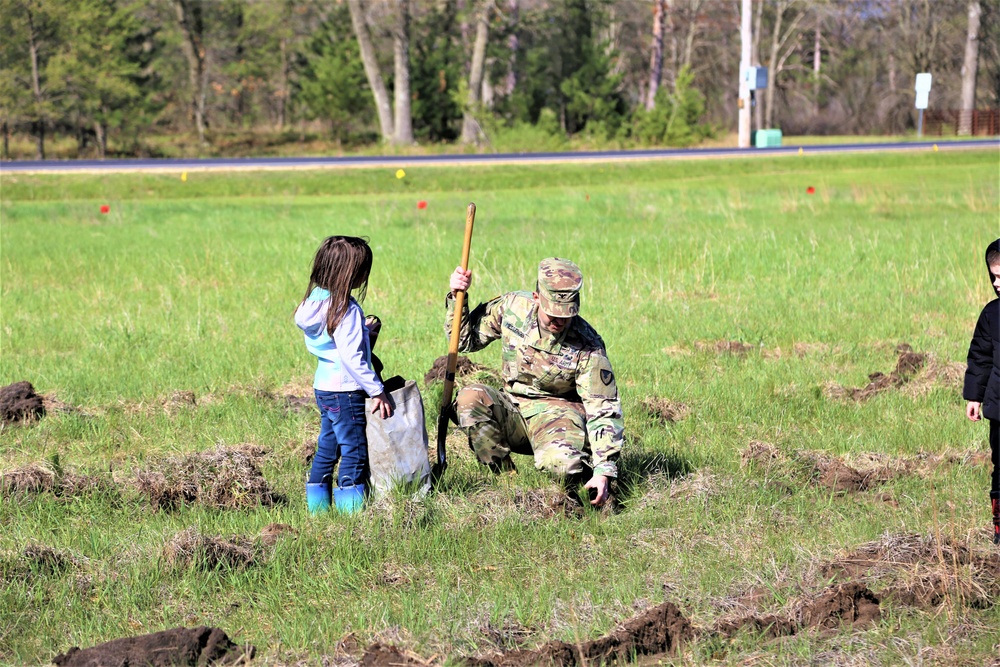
{"x": 449, "y": 378}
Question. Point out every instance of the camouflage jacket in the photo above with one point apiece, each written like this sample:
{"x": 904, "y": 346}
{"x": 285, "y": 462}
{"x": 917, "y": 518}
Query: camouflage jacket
{"x": 571, "y": 366}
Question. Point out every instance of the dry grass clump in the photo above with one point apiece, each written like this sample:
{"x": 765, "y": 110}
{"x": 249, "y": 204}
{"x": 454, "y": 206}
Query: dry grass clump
{"x": 190, "y": 548}
{"x": 27, "y": 480}
{"x": 762, "y": 454}
{"x": 851, "y": 604}
{"x": 861, "y": 473}
{"x": 496, "y": 504}
{"x": 35, "y": 560}
{"x": 727, "y": 347}
{"x": 224, "y": 477}
{"x": 699, "y": 484}
{"x": 506, "y": 635}
{"x": 665, "y": 410}
{"x": 34, "y": 479}
{"x": 922, "y": 570}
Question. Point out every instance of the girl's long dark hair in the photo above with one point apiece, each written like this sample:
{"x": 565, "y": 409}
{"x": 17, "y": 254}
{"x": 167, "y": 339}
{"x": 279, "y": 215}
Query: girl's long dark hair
{"x": 342, "y": 265}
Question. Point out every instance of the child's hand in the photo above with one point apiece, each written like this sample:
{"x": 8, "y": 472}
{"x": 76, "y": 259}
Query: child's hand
{"x": 382, "y": 406}
{"x": 460, "y": 280}
{"x": 973, "y": 410}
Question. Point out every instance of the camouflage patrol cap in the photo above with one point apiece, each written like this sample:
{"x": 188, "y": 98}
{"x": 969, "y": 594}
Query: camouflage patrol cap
{"x": 559, "y": 283}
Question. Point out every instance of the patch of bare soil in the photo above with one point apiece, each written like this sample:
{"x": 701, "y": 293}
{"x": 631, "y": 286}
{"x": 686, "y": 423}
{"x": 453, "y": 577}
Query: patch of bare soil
{"x": 464, "y": 368}
{"x": 665, "y": 410}
{"x": 224, "y": 477}
{"x": 915, "y": 373}
{"x": 384, "y": 655}
{"x": 179, "y": 647}
{"x": 20, "y": 403}
{"x": 727, "y": 347}
{"x": 660, "y": 630}
{"x": 211, "y": 552}
{"x": 851, "y": 603}
{"x": 305, "y": 452}
{"x": 508, "y": 635}
{"x": 922, "y": 571}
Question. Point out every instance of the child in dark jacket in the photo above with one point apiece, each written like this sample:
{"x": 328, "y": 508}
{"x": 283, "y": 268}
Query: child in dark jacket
{"x": 982, "y": 378}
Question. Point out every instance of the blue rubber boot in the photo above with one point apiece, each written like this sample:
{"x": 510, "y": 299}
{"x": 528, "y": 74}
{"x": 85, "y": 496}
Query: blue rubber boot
{"x": 318, "y": 496}
{"x": 349, "y": 499}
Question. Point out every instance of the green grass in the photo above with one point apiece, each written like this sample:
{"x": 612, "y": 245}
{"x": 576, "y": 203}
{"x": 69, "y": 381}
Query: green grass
{"x": 190, "y": 286}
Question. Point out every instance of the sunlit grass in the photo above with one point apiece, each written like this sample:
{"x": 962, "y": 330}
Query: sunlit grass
{"x": 191, "y": 285}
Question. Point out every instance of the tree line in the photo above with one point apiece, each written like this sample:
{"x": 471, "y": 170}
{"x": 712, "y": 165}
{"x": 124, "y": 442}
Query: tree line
{"x": 624, "y": 72}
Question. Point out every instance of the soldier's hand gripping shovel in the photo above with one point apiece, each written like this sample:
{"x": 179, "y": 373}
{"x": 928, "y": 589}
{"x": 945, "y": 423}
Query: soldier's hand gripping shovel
{"x": 449, "y": 377}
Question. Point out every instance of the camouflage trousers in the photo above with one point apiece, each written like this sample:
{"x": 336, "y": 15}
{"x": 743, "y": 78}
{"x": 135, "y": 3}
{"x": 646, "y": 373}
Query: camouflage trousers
{"x": 553, "y": 430}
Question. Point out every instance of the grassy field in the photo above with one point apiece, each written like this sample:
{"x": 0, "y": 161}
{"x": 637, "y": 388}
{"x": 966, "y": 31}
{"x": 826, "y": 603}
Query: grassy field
{"x": 163, "y": 329}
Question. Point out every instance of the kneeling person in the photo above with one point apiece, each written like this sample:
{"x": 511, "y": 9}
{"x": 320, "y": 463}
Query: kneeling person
{"x": 560, "y": 401}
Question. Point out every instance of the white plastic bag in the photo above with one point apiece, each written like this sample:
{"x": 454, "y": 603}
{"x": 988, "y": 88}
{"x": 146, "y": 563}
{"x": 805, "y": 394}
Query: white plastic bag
{"x": 397, "y": 446}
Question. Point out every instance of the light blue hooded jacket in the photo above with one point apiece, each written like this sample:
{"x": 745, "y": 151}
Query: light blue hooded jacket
{"x": 345, "y": 359}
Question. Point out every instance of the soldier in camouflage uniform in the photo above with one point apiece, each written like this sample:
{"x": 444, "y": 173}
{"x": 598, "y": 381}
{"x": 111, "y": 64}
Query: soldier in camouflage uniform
{"x": 560, "y": 401}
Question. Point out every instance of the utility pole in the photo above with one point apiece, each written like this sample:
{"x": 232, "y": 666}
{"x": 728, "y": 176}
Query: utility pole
{"x": 744, "y": 100}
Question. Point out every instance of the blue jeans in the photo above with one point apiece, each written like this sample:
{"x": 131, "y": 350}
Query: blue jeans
{"x": 341, "y": 435}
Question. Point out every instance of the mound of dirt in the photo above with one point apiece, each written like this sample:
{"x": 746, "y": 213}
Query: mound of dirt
{"x": 659, "y": 630}
{"x": 923, "y": 571}
{"x": 851, "y": 603}
{"x": 20, "y": 403}
{"x": 665, "y": 410}
{"x": 179, "y": 647}
{"x": 224, "y": 477}
{"x": 908, "y": 366}
{"x": 463, "y": 368}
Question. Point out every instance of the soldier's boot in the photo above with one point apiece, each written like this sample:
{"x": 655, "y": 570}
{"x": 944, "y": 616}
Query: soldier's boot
{"x": 995, "y": 503}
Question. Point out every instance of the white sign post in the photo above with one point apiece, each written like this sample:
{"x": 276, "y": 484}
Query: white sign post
{"x": 923, "y": 89}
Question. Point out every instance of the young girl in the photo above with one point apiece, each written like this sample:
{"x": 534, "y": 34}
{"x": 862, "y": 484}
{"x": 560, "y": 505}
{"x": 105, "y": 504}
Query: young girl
{"x": 335, "y": 332}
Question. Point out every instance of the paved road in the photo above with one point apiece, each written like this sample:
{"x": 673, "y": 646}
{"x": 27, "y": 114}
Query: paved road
{"x": 265, "y": 163}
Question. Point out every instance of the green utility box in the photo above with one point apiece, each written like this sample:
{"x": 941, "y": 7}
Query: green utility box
{"x": 767, "y": 139}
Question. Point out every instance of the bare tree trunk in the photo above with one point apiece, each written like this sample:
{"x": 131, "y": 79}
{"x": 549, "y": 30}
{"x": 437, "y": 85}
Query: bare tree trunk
{"x": 772, "y": 61}
{"x": 656, "y": 54}
{"x": 283, "y": 85}
{"x": 892, "y": 73}
{"x": 372, "y": 72}
{"x": 513, "y": 6}
{"x": 401, "y": 84}
{"x": 471, "y": 131}
{"x": 36, "y": 88}
{"x": 101, "y": 134}
{"x": 189, "y": 19}
{"x": 969, "y": 69}
{"x": 692, "y": 31}
{"x": 758, "y": 109}
{"x": 5, "y": 154}
{"x": 817, "y": 64}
